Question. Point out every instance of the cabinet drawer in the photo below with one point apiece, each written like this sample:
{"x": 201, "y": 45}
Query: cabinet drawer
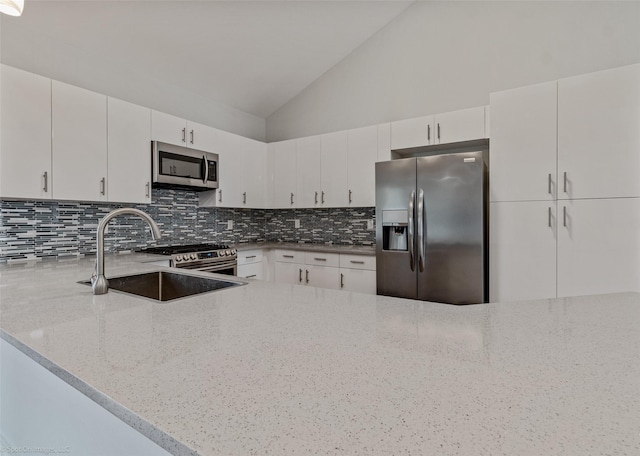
{"x": 250, "y": 256}
{"x": 322, "y": 259}
{"x": 358, "y": 261}
{"x": 251, "y": 271}
{"x": 289, "y": 256}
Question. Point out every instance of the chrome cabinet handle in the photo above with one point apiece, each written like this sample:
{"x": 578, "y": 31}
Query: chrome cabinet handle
{"x": 147, "y": 191}
{"x": 428, "y": 132}
{"x": 549, "y": 185}
{"x": 412, "y": 198}
{"x": 306, "y": 275}
{"x": 322, "y": 197}
{"x": 219, "y": 195}
{"x": 357, "y": 262}
{"x": 103, "y": 186}
{"x": 438, "y": 131}
{"x": 319, "y": 259}
{"x": 549, "y": 217}
{"x": 250, "y": 276}
{"x": 300, "y": 275}
{"x": 350, "y": 200}
{"x": 341, "y": 280}
{"x": 184, "y": 135}
{"x": 244, "y": 197}
{"x": 420, "y": 216}
{"x": 250, "y": 256}
{"x": 565, "y": 182}
{"x": 291, "y": 197}
{"x": 287, "y": 256}
{"x": 45, "y": 182}
{"x": 564, "y": 215}
{"x": 191, "y": 136}
{"x": 316, "y": 198}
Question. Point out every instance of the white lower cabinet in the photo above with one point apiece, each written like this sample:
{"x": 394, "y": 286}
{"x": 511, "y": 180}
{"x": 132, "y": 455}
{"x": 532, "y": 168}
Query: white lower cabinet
{"x": 598, "y": 246}
{"x": 251, "y": 264}
{"x": 359, "y": 280}
{"x": 322, "y": 276}
{"x": 292, "y": 273}
{"x": 522, "y": 250}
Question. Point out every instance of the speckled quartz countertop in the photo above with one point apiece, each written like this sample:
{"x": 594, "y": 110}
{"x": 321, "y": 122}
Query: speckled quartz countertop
{"x": 284, "y": 369}
{"x": 326, "y": 248}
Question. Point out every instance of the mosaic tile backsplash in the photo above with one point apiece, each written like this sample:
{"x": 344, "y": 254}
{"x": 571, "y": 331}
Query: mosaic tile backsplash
{"x": 31, "y": 230}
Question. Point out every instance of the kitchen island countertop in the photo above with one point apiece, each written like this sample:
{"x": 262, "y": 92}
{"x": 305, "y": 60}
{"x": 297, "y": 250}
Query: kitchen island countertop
{"x": 271, "y": 368}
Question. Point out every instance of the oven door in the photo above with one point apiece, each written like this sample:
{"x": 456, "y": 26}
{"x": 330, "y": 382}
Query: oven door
{"x": 226, "y": 267}
{"x": 179, "y": 166}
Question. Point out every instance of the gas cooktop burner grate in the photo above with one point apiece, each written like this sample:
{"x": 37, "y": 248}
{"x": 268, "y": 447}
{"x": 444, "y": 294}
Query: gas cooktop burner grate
{"x": 175, "y": 249}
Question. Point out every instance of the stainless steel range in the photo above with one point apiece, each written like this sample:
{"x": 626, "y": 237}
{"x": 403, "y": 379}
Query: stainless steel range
{"x": 221, "y": 259}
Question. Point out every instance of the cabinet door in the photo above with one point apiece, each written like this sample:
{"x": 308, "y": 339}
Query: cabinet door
{"x": 524, "y": 143}
{"x": 230, "y": 161}
{"x": 255, "y": 180}
{"x": 599, "y": 134}
{"x": 26, "y": 135}
{"x": 79, "y": 119}
{"x": 362, "y": 157}
{"x": 308, "y": 171}
{"x": 463, "y": 125}
{"x": 522, "y": 250}
{"x": 333, "y": 174}
{"x": 359, "y": 280}
{"x": 168, "y": 129}
{"x": 201, "y": 137}
{"x": 412, "y": 133}
{"x": 251, "y": 271}
{"x": 598, "y": 246}
{"x": 322, "y": 276}
{"x": 129, "y": 152}
{"x": 292, "y": 273}
{"x": 284, "y": 174}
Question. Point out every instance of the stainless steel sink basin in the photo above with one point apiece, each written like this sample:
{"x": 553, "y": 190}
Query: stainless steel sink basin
{"x": 166, "y": 286}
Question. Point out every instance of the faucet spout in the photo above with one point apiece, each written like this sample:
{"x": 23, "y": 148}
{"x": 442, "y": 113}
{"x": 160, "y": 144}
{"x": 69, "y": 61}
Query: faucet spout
{"x": 99, "y": 283}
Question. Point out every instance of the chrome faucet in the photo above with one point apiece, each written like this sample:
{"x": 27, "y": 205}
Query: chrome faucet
{"x": 99, "y": 283}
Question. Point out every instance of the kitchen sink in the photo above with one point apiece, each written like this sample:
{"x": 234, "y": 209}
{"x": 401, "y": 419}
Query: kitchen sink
{"x": 166, "y": 286}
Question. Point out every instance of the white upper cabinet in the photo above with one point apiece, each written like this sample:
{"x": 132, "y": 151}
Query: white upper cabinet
{"x": 384, "y": 142}
{"x": 25, "y": 159}
{"x": 308, "y": 171}
{"x": 255, "y": 178}
{"x": 462, "y": 125}
{"x": 522, "y": 250}
{"x": 598, "y": 246}
{"x": 284, "y": 174}
{"x": 599, "y": 134}
{"x": 333, "y": 174}
{"x": 523, "y": 143}
{"x": 414, "y": 132}
{"x": 201, "y": 137}
{"x": 129, "y": 152}
{"x": 79, "y": 120}
{"x": 362, "y": 157}
{"x": 168, "y": 129}
{"x": 230, "y": 162}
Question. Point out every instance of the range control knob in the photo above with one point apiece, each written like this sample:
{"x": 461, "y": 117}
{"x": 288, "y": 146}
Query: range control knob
{"x": 194, "y": 256}
{"x": 227, "y": 252}
{"x": 178, "y": 257}
{"x": 222, "y": 253}
{"x": 233, "y": 251}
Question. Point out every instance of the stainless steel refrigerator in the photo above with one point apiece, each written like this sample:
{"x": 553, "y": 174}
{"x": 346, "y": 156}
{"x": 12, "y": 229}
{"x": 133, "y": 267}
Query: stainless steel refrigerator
{"x": 432, "y": 229}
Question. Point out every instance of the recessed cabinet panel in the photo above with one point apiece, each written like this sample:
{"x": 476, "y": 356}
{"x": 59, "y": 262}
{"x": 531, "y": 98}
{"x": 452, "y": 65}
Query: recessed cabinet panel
{"x": 598, "y": 246}
{"x": 129, "y": 152}
{"x": 25, "y": 170}
{"x": 333, "y": 173}
{"x": 308, "y": 171}
{"x": 362, "y": 157}
{"x": 523, "y": 143}
{"x": 599, "y": 134}
{"x": 522, "y": 250}
{"x": 79, "y": 119}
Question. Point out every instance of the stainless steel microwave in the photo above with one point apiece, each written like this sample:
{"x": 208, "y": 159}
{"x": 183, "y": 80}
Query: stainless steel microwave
{"x": 180, "y": 167}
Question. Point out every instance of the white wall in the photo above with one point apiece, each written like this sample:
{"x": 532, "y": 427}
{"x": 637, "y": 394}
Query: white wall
{"x": 48, "y": 57}
{"x": 442, "y": 56}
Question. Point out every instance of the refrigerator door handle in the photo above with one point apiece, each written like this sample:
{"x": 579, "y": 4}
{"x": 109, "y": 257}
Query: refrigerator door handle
{"x": 420, "y": 216}
{"x": 411, "y": 245}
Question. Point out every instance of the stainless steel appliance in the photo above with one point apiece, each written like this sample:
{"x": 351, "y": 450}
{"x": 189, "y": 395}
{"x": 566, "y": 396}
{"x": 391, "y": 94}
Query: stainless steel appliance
{"x": 176, "y": 166}
{"x": 220, "y": 259}
{"x": 431, "y": 228}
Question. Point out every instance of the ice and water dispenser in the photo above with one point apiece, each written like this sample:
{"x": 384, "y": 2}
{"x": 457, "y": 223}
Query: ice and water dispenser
{"x": 395, "y": 226}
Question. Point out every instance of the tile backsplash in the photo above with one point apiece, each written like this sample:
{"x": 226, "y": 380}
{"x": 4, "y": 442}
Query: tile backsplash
{"x": 38, "y": 229}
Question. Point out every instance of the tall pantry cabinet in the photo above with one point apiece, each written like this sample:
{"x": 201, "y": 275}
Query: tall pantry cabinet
{"x": 565, "y": 187}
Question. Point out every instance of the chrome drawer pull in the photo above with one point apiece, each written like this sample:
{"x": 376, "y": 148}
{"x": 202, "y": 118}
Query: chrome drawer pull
{"x": 320, "y": 259}
{"x": 357, "y": 262}
{"x": 250, "y": 256}
{"x": 250, "y": 276}
{"x": 288, "y": 256}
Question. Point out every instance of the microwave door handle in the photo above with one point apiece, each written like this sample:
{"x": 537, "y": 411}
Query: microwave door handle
{"x": 206, "y": 169}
